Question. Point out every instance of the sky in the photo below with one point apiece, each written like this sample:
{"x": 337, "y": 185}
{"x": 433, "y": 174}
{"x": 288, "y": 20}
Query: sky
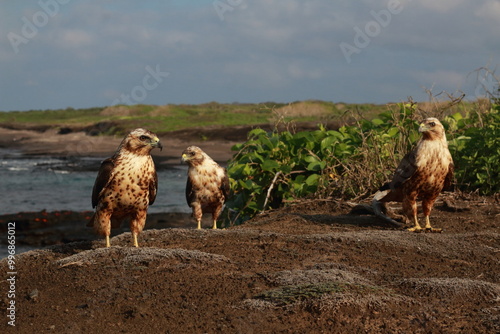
{"x": 80, "y": 54}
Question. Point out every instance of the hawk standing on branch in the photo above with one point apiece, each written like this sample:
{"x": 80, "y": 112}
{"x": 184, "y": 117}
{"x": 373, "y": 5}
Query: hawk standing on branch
{"x": 126, "y": 185}
{"x": 207, "y": 185}
{"x": 422, "y": 174}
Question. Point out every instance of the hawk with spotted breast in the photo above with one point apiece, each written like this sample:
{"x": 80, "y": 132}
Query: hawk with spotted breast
{"x": 207, "y": 186}
{"x": 422, "y": 174}
{"x": 126, "y": 185}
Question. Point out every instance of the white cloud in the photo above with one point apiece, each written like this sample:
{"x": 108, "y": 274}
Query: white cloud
{"x": 441, "y": 6}
{"x": 299, "y": 71}
{"x": 74, "y": 38}
{"x": 441, "y": 80}
{"x": 490, "y": 10}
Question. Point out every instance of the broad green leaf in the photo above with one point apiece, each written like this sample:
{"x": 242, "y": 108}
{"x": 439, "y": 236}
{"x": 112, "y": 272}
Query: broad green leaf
{"x": 393, "y": 132}
{"x": 269, "y": 165}
{"x": 327, "y": 143}
{"x": 312, "y": 179}
{"x": 256, "y": 132}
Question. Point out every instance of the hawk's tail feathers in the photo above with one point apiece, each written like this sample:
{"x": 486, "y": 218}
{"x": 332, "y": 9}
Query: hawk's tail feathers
{"x": 379, "y": 207}
{"x": 379, "y": 195}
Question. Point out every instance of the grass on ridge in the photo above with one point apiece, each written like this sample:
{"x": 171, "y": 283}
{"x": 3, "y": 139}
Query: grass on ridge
{"x": 173, "y": 117}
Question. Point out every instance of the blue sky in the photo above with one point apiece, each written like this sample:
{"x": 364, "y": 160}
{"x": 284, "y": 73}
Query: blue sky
{"x": 74, "y": 53}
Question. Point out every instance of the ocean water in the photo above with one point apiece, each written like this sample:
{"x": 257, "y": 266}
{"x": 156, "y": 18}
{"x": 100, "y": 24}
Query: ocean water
{"x": 32, "y": 184}
{"x": 52, "y": 184}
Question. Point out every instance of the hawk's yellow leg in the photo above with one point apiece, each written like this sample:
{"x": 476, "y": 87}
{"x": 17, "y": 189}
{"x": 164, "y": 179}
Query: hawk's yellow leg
{"x": 417, "y": 227}
{"x": 429, "y": 228}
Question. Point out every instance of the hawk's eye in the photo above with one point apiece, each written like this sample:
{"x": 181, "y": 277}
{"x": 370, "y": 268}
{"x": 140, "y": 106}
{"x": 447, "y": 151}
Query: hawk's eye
{"x": 432, "y": 124}
{"x": 144, "y": 138}
{"x": 191, "y": 153}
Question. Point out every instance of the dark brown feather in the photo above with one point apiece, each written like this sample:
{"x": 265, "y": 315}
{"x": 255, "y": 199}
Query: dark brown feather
{"x": 406, "y": 169}
{"x": 448, "y": 181}
{"x": 103, "y": 177}
{"x": 190, "y": 195}
{"x": 225, "y": 188}
{"x": 153, "y": 188}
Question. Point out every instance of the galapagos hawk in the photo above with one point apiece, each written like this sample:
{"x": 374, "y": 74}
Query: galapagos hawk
{"x": 126, "y": 185}
{"x": 422, "y": 174}
{"x": 207, "y": 186}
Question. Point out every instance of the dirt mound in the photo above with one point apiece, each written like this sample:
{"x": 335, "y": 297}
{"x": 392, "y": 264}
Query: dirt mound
{"x": 118, "y": 110}
{"x": 309, "y": 268}
{"x": 136, "y": 256}
{"x": 302, "y": 109}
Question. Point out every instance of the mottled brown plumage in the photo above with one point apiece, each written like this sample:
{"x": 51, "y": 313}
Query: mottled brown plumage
{"x": 421, "y": 174}
{"x": 126, "y": 185}
{"x": 207, "y": 186}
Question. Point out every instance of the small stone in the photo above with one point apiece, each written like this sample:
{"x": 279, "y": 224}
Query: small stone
{"x": 455, "y": 206}
{"x": 33, "y": 295}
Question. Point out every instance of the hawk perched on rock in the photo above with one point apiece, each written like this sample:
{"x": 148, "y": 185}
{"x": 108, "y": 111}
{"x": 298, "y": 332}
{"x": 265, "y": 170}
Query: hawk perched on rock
{"x": 422, "y": 174}
{"x": 207, "y": 185}
{"x": 126, "y": 185}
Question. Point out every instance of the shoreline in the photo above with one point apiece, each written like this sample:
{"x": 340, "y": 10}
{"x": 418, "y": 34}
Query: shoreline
{"x": 39, "y": 229}
{"x": 81, "y": 145}
{"x": 45, "y": 228}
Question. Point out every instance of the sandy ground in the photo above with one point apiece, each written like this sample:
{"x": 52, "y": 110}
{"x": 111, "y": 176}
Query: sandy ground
{"x": 308, "y": 268}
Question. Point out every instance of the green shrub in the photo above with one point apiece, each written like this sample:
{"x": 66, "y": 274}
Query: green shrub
{"x": 476, "y": 150}
{"x": 275, "y": 168}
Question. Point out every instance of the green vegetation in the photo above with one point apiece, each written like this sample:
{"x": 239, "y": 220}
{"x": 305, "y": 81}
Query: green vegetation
{"x": 274, "y": 168}
{"x": 475, "y": 146}
{"x": 161, "y": 119}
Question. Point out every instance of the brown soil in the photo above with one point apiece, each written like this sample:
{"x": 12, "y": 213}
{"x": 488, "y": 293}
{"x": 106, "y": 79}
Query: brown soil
{"x": 308, "y": 268}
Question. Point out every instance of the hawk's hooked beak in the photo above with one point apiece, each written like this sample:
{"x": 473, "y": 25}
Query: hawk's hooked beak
{"x": 184, "y": 157}
{"x": 156, "y": 143}
{"x": 423, "y": 127}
